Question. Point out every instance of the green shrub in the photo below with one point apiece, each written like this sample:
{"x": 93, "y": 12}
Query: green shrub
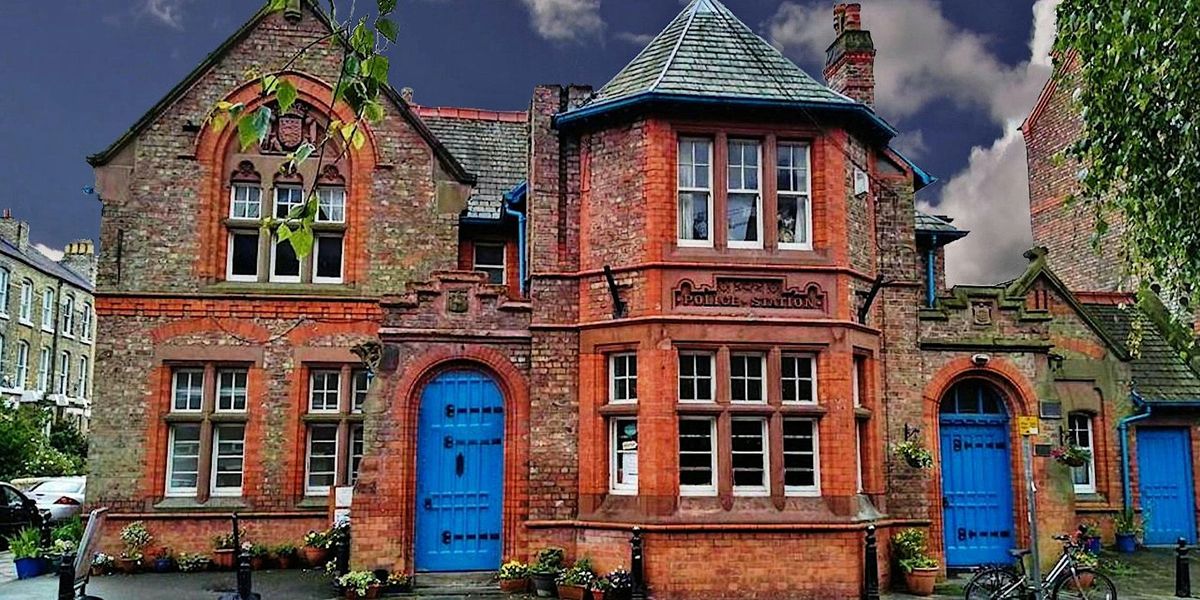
{"x": 26, "y": 544}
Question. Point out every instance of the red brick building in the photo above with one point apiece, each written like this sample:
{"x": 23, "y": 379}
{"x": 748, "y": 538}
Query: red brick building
{"x": 697, "y": 300}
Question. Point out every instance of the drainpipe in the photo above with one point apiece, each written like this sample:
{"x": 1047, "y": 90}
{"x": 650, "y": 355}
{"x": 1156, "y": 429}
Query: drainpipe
{"x": 1123, "y": 432}
{"x": 509, "y": 200}
{"x": 930, "y": 257}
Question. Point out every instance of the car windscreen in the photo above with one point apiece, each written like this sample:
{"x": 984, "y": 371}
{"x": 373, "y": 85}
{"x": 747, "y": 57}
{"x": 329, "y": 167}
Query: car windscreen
{"x": 59, "y": 486}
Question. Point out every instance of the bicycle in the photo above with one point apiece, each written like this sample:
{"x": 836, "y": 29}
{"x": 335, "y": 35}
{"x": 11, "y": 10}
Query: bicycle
{"x": 1066, "y": 581}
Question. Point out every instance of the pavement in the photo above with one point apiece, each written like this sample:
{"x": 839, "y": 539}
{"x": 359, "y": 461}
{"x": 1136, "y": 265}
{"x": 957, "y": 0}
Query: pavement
{"x": 273, "y": 585}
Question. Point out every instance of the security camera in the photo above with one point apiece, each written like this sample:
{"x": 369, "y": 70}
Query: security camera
{"x": 980, "y": 359}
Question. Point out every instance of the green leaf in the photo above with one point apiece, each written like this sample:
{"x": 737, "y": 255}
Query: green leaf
{"x": 303, "y": 153}
{"x": 359, "y": 139}
{"x": 219, "y": 121}
{"x": 277, "y": 5}
{"x": 362, "y": 40}
{"x": 387, "y": 28}
{"x": 302, "y": 240}
{"x": 283, "y": 233}
{"x": 269, "y": 83}
{"x": 253, "y": 128}
{"x": 386, "y": 6}
{"x": 286, "y": 95}
{"x": 373, "y": 111}
{"x": 376, "y": 68}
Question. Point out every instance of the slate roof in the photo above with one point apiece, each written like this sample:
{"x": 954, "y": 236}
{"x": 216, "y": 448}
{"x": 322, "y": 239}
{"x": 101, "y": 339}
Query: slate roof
{"x": 1160, "y": 373}
{"x": 708, "y": 52}
{"x": 35, "y": 259}
{"x": 495, "y": 150}
{"x": 934, "y": 225}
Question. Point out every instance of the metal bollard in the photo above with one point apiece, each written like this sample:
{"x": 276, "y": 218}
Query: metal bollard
{"x": 871, "y": 566}
{"x": 66, "y": 577}
{"x": 244, "y": 585}
{"x": 637, "y": 565}
{"x": 1183, "y": 573}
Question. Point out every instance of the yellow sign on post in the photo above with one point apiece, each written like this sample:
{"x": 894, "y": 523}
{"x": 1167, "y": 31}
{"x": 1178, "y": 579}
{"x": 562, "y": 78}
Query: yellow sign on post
{"x": 1028, "y": 425}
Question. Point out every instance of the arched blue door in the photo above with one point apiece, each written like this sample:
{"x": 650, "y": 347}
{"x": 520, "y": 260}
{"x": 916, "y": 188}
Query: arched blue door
{"x": 460, "y": 473}
{"x": 977, "y": 484}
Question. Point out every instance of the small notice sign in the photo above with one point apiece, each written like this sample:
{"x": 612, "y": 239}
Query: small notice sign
{"x": 1028, "y": 425}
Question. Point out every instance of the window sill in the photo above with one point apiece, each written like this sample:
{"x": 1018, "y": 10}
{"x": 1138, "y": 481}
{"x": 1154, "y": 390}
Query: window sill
{"x": 699, "y": 408}
{"x": 25, "y": 323}
{"x": 283, "y": 289}
{"x": 177, "y": 503}
{"x": 862, "y": 412}
{"x": 331, "y": 417}
{"x": 47, "y": 329}
{"x": 619, "y": 409}
{"x": 312, "y": 502}
{"x": 803, "y": 410}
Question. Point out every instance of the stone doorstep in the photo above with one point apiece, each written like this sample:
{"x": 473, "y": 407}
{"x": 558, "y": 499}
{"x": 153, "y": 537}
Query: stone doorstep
{"x": 455, "y": 586}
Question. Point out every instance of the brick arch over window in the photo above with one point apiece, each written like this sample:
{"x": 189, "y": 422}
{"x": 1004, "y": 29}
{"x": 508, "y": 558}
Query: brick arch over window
{"x": 384, "y": 497}
{"x": 1019, "y": 399}
{"x": 212, "y": 151}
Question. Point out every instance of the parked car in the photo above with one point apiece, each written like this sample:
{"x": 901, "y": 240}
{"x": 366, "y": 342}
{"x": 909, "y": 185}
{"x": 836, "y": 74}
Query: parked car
{"x": 17, "y": 511}
{"x": 61, "y": 497}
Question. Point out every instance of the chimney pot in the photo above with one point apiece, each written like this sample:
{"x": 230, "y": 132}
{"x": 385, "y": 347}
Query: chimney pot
{"x": 839, "y": 18}
{"x": 8, "y": 213}
{"x": 850, "y": 59}
{"x": 853, "y": 17}
{"x": 407, "y": 94}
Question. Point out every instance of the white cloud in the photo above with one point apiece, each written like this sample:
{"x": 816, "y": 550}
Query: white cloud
{"x": 54, "y": 254}
{"x": 911, "y": 144}
{"x": 923, "y": 59}
{"x": 637, "y": 39}
{"x": 565, "y": 20}
{"x": 168, "y": 12}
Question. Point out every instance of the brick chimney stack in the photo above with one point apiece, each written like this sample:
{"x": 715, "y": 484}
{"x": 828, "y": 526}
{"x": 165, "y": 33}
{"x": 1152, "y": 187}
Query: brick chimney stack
{"x": 850, "y": 59}
{"x": 14, "y": 231}
{"x": 80, "y": 256}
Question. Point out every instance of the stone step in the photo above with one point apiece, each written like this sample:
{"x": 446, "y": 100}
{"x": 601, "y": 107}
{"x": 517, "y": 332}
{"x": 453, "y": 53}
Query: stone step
{"x": 455, "y": 586}
{"x": 470, "y": 578}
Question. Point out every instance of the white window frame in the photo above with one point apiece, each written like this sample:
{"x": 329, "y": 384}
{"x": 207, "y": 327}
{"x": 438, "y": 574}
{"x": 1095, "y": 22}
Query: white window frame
{"x": 233, "y": 398}
{"x": 229, "y": 276}
{"x": 26, "y": 315}
{"x": 856, "y": 373}
{"x": 48, "y": 307}
{"x": 752, "y": 490}
{"x": 235, "y": 202}
{"x": 355, "y": 390}
{"x": 174, "y": 491}
{"x": 316, "y": 257}
{"x": 812, "y": 361}
{"x": 22, "y": 373}
{"x": 64, "y": 373}
{"x": 680, "y": 189}
{"x": 68, "y": 315}
{"x": 175, "y": 389}
{"x": 85, "y": 323}
{"x": 311, "y": 490}
{"x": 355, "y": 455}
{"x": 503, "y": 266}
{"x": 312, "y": 391}
{"x": 5, "y": 280}
{"x": 84, "y": 375}
{"x": 1088, "y": 420}
{"x": 712, "y": 377}
{"x": 614, "y": 453}
{"x": 226, "y": 491}
{"x": 815, "y": 488}
{"x": 628, "y": 359}
{"x": 859, "y": 427}
{"x": 329, "y": 190}
{"x": 44, "y": 362}
{"x": 745, "y": 379}
{"x": 804, "y": 198}
{"x": 275, "y": 199}
{"x": 271, "y": 276}
{"x": 703, "y": 490}
{"x": 758, "y": 194}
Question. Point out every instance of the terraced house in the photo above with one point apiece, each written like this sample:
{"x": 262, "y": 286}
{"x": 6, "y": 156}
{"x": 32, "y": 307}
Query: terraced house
{"x": 47, "y": 324}
{"x": 697, "y": 299}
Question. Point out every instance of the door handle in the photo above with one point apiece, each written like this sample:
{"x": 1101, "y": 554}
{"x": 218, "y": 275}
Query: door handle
{"x": 446, "y": 537}
{"x": 459, "y": 464}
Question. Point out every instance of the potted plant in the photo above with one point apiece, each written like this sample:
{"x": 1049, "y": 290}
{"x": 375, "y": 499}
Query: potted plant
{"x": 258, "y": 554}
{"x": 599, "y": 588}
{"x": 1071, "y": 455}
{"x": 396, "y": 583}
{"x": 574, "y": 582}
{"x": 620, "y": 585}
{"x": 285, "y": 555}
{"x": 514, "y": 577}
{"x": 52, "y": 556}
{"x": 912, "y": 554}
{"x": 1090, "y": 534}
{"x": 545, "y": 570}
{"x": 27, "y": 552}
{"x": 914, "y": 453}
{"x": 163, "y": 562}
{"x": 102, "y": 564}
{"x": 360, "y": 584}
{"x": 136, "y": 537}
{"x": 1127, "y": 529}
{"x": 316, "y": 548}
{"x": 1084, "y": 580}
{"x": 223, "y": 549}
{"x": 192, "y": 563}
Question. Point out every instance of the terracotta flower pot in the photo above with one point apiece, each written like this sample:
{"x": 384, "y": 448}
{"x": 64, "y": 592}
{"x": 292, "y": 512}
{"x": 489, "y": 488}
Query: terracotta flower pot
{"x": 128, "y": 566}
{"x": 97, "y": 570}
{"x": 920, "y": 581}
{"x": 372, "y": 592}
{"x": 571, "y": 592}
{"x": 258, "y": 563}
{"x": 285, "y": 561}
{"x": 314, "y": 557}
{"x": 1081, "y": 581}
{"x": 543, "y": 585}
{"x": 223, "y": 558}
{"x": 514, "y": 586}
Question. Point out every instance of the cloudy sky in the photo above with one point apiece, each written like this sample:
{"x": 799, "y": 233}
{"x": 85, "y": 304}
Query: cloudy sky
{"x": 957, "y": 77}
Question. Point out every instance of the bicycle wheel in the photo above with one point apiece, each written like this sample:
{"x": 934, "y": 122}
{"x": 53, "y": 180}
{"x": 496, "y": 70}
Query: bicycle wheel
{"x": 991, "y": 583}
{"x": 1085, "y": 584}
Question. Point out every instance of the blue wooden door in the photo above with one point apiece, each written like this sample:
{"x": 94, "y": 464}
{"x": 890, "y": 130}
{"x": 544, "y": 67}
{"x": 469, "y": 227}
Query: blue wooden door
{"x": 1165, "y": 484}
{"x": 460, "y": 474}
{"x": 976, "y": 477}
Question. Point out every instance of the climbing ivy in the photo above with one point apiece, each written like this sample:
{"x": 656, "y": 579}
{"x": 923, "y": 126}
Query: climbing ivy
{"x": 362, "y": 80}
{"x": 1138, "y": 93}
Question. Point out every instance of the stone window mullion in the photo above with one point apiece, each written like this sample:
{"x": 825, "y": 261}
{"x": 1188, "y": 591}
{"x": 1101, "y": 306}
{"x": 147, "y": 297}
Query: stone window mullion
{"x": 208, "y": 405}
{"x": 345, "y": 406}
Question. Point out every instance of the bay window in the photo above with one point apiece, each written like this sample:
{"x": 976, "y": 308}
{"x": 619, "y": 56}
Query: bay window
{"x": 798, "y": 379}
{"x": 747, "y": 376}
{"x": 695, "y": 192}
{"x": 622, "y": 378}
{"x": 800, "y": 458}
{"x": 743, "y": 201}
{"x": 794, "y": 207}
{"x": 748, "y": 445}
{"x": 623, "y": 456}
{"x": 697, "y": 456}
{"x": 696, "y": 377}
